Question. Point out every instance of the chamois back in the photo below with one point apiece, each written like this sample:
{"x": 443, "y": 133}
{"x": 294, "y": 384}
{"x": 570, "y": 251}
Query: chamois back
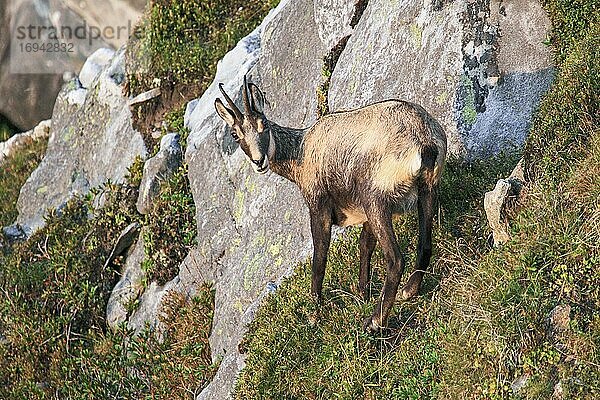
{"x": 380, "y": 146}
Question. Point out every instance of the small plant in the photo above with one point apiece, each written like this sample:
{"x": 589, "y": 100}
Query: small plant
{"x": 135, "y": 172}
{"x": 6, "y": 129}
{"x": 329, "y": 62}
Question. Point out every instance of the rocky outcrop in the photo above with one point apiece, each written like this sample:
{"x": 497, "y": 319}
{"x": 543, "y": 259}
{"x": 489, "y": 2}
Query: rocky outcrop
{"x": 94, "y": 65}
{"x": 18, "y": 141}
{"x": 90, "y": 143}
{"x": 289, "y": 71}
{"x": 258, "y": 224}
{"x": 126, "y": 292}
{"x": 31, "y": 80}
{"x": 499, "y": 202}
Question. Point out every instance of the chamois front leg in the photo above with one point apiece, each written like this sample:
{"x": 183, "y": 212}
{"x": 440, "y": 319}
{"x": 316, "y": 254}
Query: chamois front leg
{"x": 426, "y": 205}
{"x": 380, "y": 221}
{"x": 367, "y": 244}
{"x": 320, "y": 225}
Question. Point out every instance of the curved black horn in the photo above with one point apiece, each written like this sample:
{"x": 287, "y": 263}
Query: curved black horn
{"x": 236, "y": 111}
{"x": 246, "y": 99}
{"x": 254, "y": 91}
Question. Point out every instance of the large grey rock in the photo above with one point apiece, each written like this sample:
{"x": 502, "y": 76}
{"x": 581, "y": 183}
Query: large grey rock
{"x": 289, "y": 71}
{"x": 332, "y": 19}
{"x": 478, "y": 66}
{"x": 252, "y": 229}
{"x": 88, "y": 145}
{"x": 28, "y": 89}
{"x": 157, "y": 170}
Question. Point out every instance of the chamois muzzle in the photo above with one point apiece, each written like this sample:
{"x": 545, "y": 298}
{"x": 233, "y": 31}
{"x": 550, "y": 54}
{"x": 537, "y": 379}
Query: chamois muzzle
{"x": 262, "y": 165}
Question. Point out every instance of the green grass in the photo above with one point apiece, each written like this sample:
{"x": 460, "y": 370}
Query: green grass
{"x": 181, "y": 41}
{"x": 13, "y": 174}
{"x": 54, "y": 341}
{"x": 299, "y": 350}
{"x": 481, "y": 321}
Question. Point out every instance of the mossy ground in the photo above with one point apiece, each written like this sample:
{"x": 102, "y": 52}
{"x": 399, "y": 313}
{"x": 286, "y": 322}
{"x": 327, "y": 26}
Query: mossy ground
{"x": 54, "y": 340}
{"x": 170, "y": 229}
{"x": 480, "y": 323}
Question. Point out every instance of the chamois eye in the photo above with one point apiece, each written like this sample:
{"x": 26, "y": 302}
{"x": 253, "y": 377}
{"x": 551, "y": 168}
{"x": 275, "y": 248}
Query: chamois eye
{"x": 260, "y": 125}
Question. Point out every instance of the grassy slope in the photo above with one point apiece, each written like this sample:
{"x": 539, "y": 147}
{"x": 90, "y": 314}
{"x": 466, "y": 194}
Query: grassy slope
{"x": 482, "y": 319}
{"x": 54, "y": 342}
{"x": 479, "y": 324}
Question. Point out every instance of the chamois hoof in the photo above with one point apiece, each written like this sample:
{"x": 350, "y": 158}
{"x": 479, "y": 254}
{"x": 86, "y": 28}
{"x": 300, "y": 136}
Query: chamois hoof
{"x": 370, "y": 326}
{"x": 408, "y": 292}
{"x": 364, "y": 294}
{"x": 317, "y": 299}
{"x": 411, "y": 288}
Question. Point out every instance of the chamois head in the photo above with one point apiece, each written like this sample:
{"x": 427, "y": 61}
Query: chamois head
{"x": 249, "y": 129}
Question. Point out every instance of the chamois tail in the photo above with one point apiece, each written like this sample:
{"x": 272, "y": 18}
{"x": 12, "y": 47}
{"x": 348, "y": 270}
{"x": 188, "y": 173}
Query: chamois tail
{"x": 429, "y": 155}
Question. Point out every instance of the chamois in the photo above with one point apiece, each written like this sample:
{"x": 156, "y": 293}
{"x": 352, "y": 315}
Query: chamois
{"x": 353, "y": 167}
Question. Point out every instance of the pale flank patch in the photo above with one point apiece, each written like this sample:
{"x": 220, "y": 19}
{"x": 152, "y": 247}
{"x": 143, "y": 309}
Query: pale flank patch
{"x": 392, "y": 171}
{"x": 354, "y": 216}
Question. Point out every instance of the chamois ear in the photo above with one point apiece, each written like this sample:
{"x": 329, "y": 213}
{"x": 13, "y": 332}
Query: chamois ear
{"x": 258, "y": 99}
{"x": 225, "y": 113}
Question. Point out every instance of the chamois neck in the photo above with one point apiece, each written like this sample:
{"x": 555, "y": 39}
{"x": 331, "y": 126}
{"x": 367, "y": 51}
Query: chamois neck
{"x": 288, "y": 150}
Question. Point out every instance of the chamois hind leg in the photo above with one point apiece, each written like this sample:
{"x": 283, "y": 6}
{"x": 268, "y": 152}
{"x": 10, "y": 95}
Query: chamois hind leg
{"x": 367, "y": 244}
{"x": 426, "y": 206}
{"x": 320, "y": 225}
{"x": 380, "y": 221}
